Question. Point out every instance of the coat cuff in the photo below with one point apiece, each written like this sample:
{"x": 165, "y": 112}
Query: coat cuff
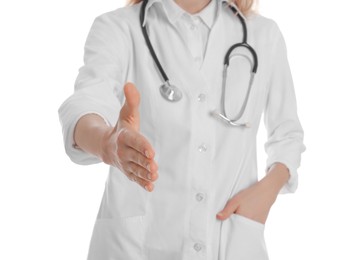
{"x": 70, "y": 112}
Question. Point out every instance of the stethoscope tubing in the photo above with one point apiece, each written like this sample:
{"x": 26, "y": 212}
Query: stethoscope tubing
{"x": 148, "y": 42}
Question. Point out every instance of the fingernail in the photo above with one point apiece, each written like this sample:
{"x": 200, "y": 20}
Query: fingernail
{"x": 220, "y": 214}
{"x": 147, "y": 187}
{"x": 148, "y": 166}
{"x": 147, "y": 154}
{"x": 149, "y": 176}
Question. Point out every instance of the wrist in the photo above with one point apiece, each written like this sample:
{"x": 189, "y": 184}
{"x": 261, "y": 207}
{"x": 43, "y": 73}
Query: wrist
{"x": 90, "y": 132}
{"x": 277, "y": 176}
{"x": 105, "y": 134}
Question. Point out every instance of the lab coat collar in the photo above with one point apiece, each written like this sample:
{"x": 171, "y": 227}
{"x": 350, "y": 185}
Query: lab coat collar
{"x": 148, "y": 6}
{"x": 208, "y": 14}
{"x": 150, "y": 3}
{"x": 173, "y": 12}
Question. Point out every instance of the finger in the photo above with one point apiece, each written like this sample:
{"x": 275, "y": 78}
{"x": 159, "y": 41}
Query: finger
{"x": 133, "y": 175}
{"x": 230, "y": 207}
{"x": 129, "y": 114}
{"x": 132, "y": 97}
{"x": 148, "y": 165}
{"x": 137, "y": 141}
{"x": 141, "y": 172}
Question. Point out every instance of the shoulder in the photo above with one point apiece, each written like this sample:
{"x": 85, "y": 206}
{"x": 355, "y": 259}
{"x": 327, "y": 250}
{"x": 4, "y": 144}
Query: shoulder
{"x": 122, "y": 17}
{"x": 263, "y": 26}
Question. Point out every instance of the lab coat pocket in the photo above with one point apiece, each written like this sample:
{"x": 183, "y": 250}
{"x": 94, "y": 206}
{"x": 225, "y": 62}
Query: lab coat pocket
{"x": 242, "y": 239}
{"x": 118, "y": 238}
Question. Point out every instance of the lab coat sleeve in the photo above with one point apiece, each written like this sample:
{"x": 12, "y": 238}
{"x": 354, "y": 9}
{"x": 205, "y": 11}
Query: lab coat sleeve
{"x": 284, "y": 131}
{"x": 99, "y": 84}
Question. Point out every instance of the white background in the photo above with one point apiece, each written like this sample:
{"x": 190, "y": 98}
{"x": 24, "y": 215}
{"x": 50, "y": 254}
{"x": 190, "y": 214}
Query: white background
{"x": 48, "y": 204}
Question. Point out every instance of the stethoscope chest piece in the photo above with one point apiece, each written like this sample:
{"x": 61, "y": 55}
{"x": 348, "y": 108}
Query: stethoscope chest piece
{"x": 170, "y": 92}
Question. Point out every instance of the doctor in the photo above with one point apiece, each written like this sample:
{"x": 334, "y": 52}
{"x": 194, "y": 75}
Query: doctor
{"x": 182, "y": 180}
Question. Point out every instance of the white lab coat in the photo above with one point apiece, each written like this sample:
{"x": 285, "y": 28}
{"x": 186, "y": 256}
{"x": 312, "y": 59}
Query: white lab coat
{"x": 202, "y": 161}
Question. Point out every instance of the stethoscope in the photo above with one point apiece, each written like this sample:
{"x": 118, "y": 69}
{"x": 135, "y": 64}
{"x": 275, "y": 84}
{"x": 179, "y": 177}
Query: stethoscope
{"x": 173, "y": 94}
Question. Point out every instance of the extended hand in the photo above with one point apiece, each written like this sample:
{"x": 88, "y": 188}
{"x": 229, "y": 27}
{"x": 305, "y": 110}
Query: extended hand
{"x": 126, "y": 148}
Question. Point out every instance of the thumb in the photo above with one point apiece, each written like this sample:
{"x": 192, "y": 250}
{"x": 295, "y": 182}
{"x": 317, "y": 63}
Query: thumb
{"x": 132, "y": 96}
{"x": 230, "y": 207}
{"x": 129, "y": 113}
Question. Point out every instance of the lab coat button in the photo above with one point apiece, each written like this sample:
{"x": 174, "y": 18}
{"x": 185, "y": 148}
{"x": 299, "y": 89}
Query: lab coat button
{"x": 192, "y": 27}
{"x": 195, "y": 19}
{"x": 202, "y": 148}
{"x": 201, "y": 97}
{"x": 197, "y": 247}
{"x": 199, "y": 196}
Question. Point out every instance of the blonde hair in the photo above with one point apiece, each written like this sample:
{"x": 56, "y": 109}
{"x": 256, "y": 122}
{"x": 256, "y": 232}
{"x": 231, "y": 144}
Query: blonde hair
{"x": 245, "y": 6}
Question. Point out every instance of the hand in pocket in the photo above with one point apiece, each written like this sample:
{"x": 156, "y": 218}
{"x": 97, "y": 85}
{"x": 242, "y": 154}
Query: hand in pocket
{"x": 253, "y": 202}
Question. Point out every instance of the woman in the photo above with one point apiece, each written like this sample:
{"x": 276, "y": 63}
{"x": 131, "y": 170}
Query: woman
{"x": 183, "y": 180}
